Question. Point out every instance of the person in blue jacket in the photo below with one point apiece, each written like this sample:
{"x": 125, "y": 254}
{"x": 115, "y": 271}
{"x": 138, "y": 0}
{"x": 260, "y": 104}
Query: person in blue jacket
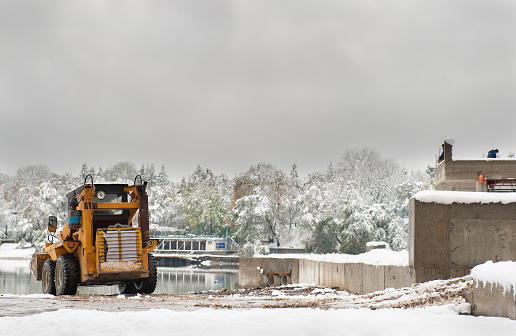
{"x": 492, "y": 154}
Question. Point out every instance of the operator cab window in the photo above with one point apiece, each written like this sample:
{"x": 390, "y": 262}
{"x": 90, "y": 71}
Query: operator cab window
{"x": 108, "y": 198}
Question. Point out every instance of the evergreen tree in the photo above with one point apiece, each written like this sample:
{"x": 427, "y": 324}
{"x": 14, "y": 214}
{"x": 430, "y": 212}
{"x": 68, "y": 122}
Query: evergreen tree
{"x": 151, "y": 174}
{"x": 293, "y": 171}
{"x": 141, "y": 172}
{"x": 84, "y": 171}
{"x": 162, "y": 176}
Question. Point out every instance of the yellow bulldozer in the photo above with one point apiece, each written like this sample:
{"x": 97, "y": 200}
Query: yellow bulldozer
{"x": 105, "y": 241}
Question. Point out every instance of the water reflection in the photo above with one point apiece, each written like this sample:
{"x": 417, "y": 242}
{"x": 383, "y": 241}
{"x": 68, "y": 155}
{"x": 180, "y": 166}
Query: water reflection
{"x": 16, "y": 278}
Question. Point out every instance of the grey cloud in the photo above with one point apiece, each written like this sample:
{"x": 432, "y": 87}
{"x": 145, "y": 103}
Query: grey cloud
{"x": 227, "y": 84}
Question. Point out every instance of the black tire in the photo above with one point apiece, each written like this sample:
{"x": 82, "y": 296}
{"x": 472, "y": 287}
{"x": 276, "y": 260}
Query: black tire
{"x": 128, "y": 287}
{"x": 143, "y": 286}
{"x": 48, "y": 275}
{"x": 67, "y": 275}
{"x": 148, "y": 285}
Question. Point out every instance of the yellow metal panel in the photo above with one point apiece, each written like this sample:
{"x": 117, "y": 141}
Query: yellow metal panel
{"x": 115, "y": 206}
{"x": 152, "y": 244}
{"x": 36, "y": 264}
{"x": 56, "y": 252}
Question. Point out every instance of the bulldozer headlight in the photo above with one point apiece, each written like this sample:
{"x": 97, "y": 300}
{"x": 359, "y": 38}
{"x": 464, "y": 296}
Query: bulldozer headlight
{"x": 101, "y": 195}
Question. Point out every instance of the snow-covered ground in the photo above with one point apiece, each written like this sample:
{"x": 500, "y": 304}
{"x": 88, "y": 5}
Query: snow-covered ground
{"x": 441, "y": 310}
{"x": 434, "y": 321}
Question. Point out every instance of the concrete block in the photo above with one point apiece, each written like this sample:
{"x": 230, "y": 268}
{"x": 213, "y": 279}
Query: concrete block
{"x": 342, "y": 276}
{"x": 330, "y": 274}
{"x": 354, "y": 278}
{"x": 324, "y": 273}
{"x": 491, "y": 300}
{"x": 306, "y": 271}
{"x": 429, "y": 234}
{"x": 373, "y": 278}
{"x": 457, "y": 272}
{"x": 474, "y": 241}
{"x": 276, "y": 265}
{"x": 261, "y": 272}
{"x": 424, "y": 274}
{"x": 398, "y": 276}
{"x": 336, "y": 275}
{"x": 249, "y": 275}
{"x": 294, "y": 270}
{"x": 447, "y": 240}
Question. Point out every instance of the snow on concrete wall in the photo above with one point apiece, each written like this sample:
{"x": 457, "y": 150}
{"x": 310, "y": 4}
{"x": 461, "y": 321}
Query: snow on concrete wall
{"x": 494, "y": 293}
{"x": 502, "y": 273}
{"x": 464, "y": 197}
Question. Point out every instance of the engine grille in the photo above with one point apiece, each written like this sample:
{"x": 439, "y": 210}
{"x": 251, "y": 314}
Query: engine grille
{"x": 119, "y": 244}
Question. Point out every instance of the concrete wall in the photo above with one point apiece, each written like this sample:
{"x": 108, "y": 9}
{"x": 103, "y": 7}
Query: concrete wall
{"x": 460, "y": 175}
{"x": 448, "y": 240}
{"x": 489, "y": 300}
{"x": 356, "y": 278}
{"x": 263, "y": 272}
{"x": 492, "y": 300}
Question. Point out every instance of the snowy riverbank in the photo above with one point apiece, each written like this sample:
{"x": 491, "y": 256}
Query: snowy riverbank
{"x": 374, "y": 257}
{"x": 13, "y": 252}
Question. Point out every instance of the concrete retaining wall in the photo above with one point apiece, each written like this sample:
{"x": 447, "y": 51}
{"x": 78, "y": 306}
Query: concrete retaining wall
{"x": 491, "y": 300}
{"x": 447, "y": 240}
{"x": 356, "y": 278}
{"x": 263, "y": 272}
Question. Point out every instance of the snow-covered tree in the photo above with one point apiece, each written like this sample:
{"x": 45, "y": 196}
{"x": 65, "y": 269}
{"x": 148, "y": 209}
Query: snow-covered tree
{"x": 84, "y": 170}
{"x": 293, "y": 171}
{"x": 33, "y": 174}
{"x": 338, "y": 210}
{"x": 162, "y": 176}
{"x": 122, "y": 172}
{"x": 274, "y": 190}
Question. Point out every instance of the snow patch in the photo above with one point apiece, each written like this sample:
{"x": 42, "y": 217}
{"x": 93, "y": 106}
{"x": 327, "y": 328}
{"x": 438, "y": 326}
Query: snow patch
{"x": 450, "y": 141}
{"x": 502, "y": 273}
{"x": 12, "y": 251}
{"x": 378, "y": 257}
{"x": 464, "y": 197}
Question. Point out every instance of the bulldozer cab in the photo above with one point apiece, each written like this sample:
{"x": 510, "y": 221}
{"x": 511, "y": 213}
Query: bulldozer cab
{"x": 104, "y": 193}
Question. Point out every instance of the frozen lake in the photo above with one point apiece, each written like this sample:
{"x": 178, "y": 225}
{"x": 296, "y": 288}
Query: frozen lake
{"x": 16, "y": 278}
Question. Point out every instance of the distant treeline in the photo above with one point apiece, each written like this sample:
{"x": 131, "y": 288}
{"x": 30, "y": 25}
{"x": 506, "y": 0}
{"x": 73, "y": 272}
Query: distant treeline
{"x": 360, "y": 198}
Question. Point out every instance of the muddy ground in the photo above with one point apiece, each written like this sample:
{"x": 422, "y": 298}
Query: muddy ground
{"x": 437, "y": 292}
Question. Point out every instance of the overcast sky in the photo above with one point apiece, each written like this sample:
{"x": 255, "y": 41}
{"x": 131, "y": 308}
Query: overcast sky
{"x": 228, "y": 84}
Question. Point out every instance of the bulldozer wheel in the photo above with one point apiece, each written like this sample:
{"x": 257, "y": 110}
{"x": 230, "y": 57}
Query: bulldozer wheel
{"x": 128, "y": 287}
{"x": 143, "y": 286}
{"x": 148, "y": 285}
{"x": 67, "y": 275}
{"x": 48, "y": 277}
